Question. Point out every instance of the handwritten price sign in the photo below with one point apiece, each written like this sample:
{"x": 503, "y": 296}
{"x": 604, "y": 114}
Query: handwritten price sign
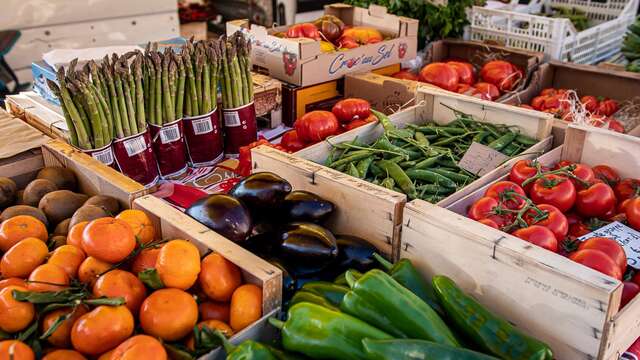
{"x": 625, "y": 236}
{"x": 480, "y": 159}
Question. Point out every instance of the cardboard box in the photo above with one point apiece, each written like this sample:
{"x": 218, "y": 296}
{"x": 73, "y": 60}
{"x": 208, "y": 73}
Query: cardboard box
{"x": 585, "y": 80}
{"x": 196, "y": 29}
{"x": 300, "y": 61}
{"x": 384, "y": 93}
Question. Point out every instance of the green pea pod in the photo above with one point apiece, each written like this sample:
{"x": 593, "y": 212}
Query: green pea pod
{"x": 352, "y": 170}
{"x": 526, "y": 140}
{"x": 433, "y": 189}
{"x": 321, "y": 333}
{"x": 410, "y": 349}
{"x": 480, "y": 136}
{"x": 353, "y": 156}
{"x": 458, "y": 178}
{"x": 490, "y": 333}
{"x": 306, "y": 296}
{"x": 408, "y": 276}
{"x": 381, "y": 301}
{"x": 384, "y": 120}
{"x": 399, "y": 176}
{"x": 430, "y": 176}
{"x": 248, "y": 349}
{"x": 427, "y": 163}
{"x": 504, "y": 140}
{"x": 363, "y": 166}
{"x": 330, "y": 291}
{"x": 421, "y": 138}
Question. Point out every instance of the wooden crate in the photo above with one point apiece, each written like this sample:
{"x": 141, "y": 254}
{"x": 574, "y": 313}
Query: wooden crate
{"x": 571, "y": 307}
{"x": 94, "y": 178}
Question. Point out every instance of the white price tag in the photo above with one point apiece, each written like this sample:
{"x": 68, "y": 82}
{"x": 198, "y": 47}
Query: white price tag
{"x": 481, "y": 159}
{"x": 202, "y": 126}
{"x": 625, "y": 236}
{"x": 135, "y": 146}
{"x": 231, "y": 119}
{"x": 170, "y": 134}
{"x": 104, "y": 156}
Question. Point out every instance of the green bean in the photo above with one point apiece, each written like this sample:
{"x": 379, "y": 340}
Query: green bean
{"x": 447, "y": 162}
{"x": 363, "y": 167}
{"x": 428, "y": 162}
{"x": 430, "y": 176}
{"x": 480, "y": 136}
{"x": 354, "y": 156}
{"x": 399, "y": 176}
{"x": 493, "y": 130}
{"x": 384, "y": 120}
{"x": 407, "y": 164}
{"x": 352, "y": 170}
{"x": 433, "y": 189}
{"x": 503, "y": 141}
{"x": 458, "y": 178}
{"x": 375, "y": 170}
{"x": 525, "y": 140}
{"x": 383, "y": 143}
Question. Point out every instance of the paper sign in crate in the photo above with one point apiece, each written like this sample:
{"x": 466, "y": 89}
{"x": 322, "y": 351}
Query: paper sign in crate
{"x": 300, "y": 61}
{"x": 556, "y": 36}
{"x": 571, "y": 307}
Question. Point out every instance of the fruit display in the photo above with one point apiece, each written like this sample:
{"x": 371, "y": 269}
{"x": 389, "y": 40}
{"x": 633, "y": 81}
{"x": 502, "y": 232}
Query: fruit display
{"x": 631, "y": 46}
{"x": 552, "y": 207}
{"x": 393, "y": 313}
{"x": 421, "y": 160}
{"x": 82, "y": 278}
{"x": 333, "y": 34}
{"x": 493, "y": 79}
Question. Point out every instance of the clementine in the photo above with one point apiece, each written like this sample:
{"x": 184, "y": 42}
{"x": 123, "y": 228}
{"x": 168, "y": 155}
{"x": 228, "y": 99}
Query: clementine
{"x": 120, "y": 283}
{"x": 14, "y": 315}
{"x": 169, "y": 314}
{"x": 213, "y": 325}
{"x": 68, "y": 257}
{"x": 48, "y": 277}
{"x": 74, "y": 237}
{"x": 105, "y": 356}
{"x": 20, "y": 227}
{"x": 219, "y": 277}
{"x": 246, "y": 306}
{"x": 146, "y": 259}
{"x": 61, "y": 337}
{"x": 210, "y": 310}
{"x": 90, "y": 270}
{"x": 23, "y": 257}
{"x": 140, "y": 223}
{"x": 101, "y": 329}
{"x": 12, "y": 281}
{"x": 178, "y": 264}
{"x": 63, "y": 354}
{"x": 15, "y": 350}
{"x": 108, "y": 239}
{"x": 140, "y": 347}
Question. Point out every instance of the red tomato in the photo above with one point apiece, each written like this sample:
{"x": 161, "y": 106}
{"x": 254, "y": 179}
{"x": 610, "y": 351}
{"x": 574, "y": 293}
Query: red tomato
{"x": 361, "y": 35}
{"x": 466, "y": 72}
{"x": 465, "y": 89}
{"x": 608, "y": 246}
{"x": 291, "y": 142}
{"x": 507, "y": 193}
{"x": 627, "y": 188}
{"x": 548, "y": 92}
{"x": 573, "y": 218}
{"x": 607, "y": 107}
{"x": 502, "y": 74}
{"x": 487, "y": 91}
{"x": 521, "y": 171}
{"x": 351, "y": 109}
{"x": 357, "y": 123}
{"x": 633, "y": 213}
{"x": 316, "y": 126}
{"x": 554, "y": 190}
{"x": 406, "y": 75}
{"x": 578, "y": 229}
{"x": 616, "y": 126}
{"x": 598, "y": 261}
{"x": 440, "y": 74}
{"x": 538, "y": 102}
{"x": 554, "y": 220}
{"x": 629, "y": 291}
{"x": 538, "y": 235}
{"x": 584, "y": 172}
{"x": 304, "y": 30}
{"x": 551, "y": 102}
{"x": 595, "y": 201}
{"x": 590, "y": 103}
{"x": 482, "y": 208}
{"x": 606, "y": 174}
{"x": 489, "y": 222}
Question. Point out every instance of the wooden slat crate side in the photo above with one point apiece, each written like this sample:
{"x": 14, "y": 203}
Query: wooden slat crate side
{"x": 23, "y": 167}
{"x": 544, "y": 294}
{"x": 260, "y": 331}
{"x": 621, "y": 331}
{"x": 173, "y": 224}
{"x": 363, "y": 209}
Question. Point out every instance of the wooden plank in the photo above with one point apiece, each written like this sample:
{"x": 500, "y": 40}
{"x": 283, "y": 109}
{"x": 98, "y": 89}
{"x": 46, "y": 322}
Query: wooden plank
{"x": 622, "y": 331}
{"x": 363, "y": 209}
{"x": 173, "y": 224}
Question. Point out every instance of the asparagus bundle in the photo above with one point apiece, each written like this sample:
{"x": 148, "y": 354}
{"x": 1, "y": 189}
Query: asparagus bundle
{"x": 237, "y": 84}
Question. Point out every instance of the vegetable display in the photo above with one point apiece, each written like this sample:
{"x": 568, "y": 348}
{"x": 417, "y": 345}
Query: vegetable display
{"x": 631, "y": 46}
{"x": 421, "y": 160}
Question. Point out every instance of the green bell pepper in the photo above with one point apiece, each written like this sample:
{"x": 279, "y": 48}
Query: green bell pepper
{"x": 408, "y": 276}
{"x": 330, "y": 291}
{"x": 409, "y": 349}
{"x": 342, "y": 280}
{"x": 309, "y": 297}
{"x": 246, "y": 350}
{"x": 381, "y": 301}
{"x": 490, "y": 333}
{"x": 321, "y": 333}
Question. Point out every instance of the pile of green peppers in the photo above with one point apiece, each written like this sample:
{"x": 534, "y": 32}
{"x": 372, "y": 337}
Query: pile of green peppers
{"x": 421, "y": 160}
{"x": 393, "y": 313}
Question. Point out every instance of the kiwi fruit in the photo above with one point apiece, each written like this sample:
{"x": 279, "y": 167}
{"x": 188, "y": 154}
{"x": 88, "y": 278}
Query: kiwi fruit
{"x": 16, "y": 210}
{"x": 87, "y": 213}
{"x": 36, "y": 190}
{"x": 19, "y": 197}
{"x": 61, "y": 204}
{"x": 55, "y": 241}
{"x": 62, "y": 228}
{"x": 64, "y": 178}
{"x": 108, "y": 203}
{"x": 8, "y": 190}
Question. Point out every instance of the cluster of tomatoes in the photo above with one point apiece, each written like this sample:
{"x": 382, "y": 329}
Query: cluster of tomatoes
{"x": 496, "y": 77}
{"x": 333, "y": 33}
{"x": 557, "y": 102}
{"x": 112, "y": 290}
{"x": 552, "y": 207}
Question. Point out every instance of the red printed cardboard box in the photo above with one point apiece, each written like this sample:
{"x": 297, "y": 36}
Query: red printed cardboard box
{"x": 300, "y": 61}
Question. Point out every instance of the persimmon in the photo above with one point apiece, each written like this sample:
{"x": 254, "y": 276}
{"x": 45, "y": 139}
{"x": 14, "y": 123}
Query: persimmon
{"x": 61, "y": 337}
{"x": 64, "y": 354}
{"x": 211, "y": 310}
{"x": 246, "y": 306}
{"x": 12, "y": 281}
{"x": 23, "y": 257}
{"x": 15, "y": 350}
{"x": 68, "y": 257}
{"x": 178, "y": 264}
{"x": 140, "y": 223}
{"x": 219, "y": 277}
{"x": 21, "y": 227}
{"x": 14, "y": 315}
{"x": 90, "y": 270}
{"x": 102, "y": 329}
{"x": 120, "y": 283}
{"x": 213, "y": 325}
{"x": 169, "y": 314}
{"x": 48, "y": 277}
{"x": 108, "y": 239}
{"x": 106, "y": 355}
{"x": 139, "y": 347}
{"x": 74, "y": 237}
{"x": 146, "y": 259}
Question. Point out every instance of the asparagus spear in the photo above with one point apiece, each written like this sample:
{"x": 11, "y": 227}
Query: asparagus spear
{"x": 131, "y": 113}
{"x": 193, "y": 105}
{"x": 76, "y": 96}
{"x": 105, "y": 113}
{"x": 198, "y": 67}
{"x": 158, "y": 65}
{"x": 93, "y": 113}
{"x": 122, "y": 104}
{"x": 181, "y": 82}
{"x": 167, "y": 104}
{"x": 151, "y": 93}
{"x": 107, "y": 70}
{"x": 140, "y": 112}
{"x": 73, "y": 135}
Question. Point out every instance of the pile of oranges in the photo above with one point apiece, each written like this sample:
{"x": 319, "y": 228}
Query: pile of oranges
{"x": 113, "y": 291}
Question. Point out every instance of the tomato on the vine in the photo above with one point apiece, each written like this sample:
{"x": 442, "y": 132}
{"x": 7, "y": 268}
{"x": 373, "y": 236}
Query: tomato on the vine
{"x": 554, "y": 190}
{"x": 607, "y": 107}
{"x": 488, "y": 208}
{"x": 629, "y": 291}
{"x": 551, "y": 218}
{"x": 597, "y": 200}
{"x": 607, "y": 174}
{"x": 598, "y": 261}
{"x": 584, "y": 173}
{"x": 508, "y": 193}
{"x": 590, "y": 103}
{"x": 538, "y": 102}
{"x": 489, "y": 222}
{"x": 608, "y": 246}
{"x": 627, "y": 188}
{"x": 633, "y": 213}
{"x": 538, "y": 235}
{"x": 521, "y": 171}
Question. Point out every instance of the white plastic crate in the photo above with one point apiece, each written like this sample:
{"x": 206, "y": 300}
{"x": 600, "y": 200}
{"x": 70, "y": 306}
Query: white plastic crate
{"x": 514, "y": 26}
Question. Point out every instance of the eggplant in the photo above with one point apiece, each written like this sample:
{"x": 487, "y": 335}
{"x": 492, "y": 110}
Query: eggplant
{"x": 289, "y": 283}
{"x": 262, "y": 192}
{"x": 265, "y": 244}
{"x": 307, "y": 248}
{"x": 305, "y": 206}
{"x": 355, "y": 253}
{"x": 223, "y": 214}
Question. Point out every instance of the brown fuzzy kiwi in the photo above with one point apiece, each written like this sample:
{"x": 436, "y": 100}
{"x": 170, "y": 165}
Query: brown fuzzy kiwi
{"x": 108, "y": 203}
{"x": 57, "y": 241}
{"x": 87, "y": 213}
{"x": 62, "y": 228}
{"x": 61, "y": 204}
{"x": 16, "y": 210}
{"x": 64, "y": 178}
{"x": 8, "y": 190}
{"x": 36, "y": 190}
{"x": 19, "y": 197}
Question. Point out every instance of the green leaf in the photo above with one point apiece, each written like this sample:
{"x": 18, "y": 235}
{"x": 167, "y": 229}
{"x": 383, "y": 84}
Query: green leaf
{"x": 48, "y": 297}
{"x": 177, "y": 352}
{"x": 151, "y": 278}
